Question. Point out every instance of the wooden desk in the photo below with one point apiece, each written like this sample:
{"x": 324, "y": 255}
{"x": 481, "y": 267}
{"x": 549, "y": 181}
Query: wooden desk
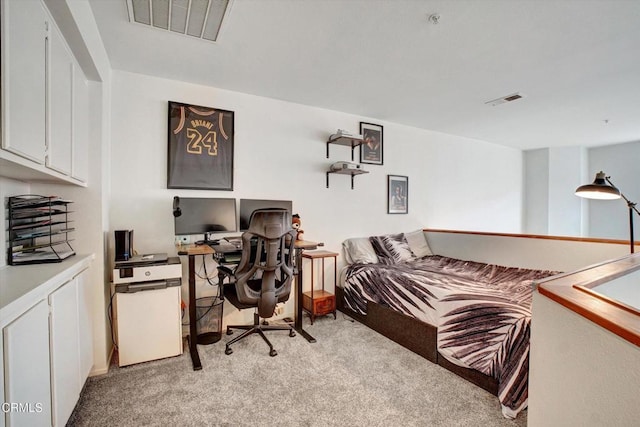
{"x": 300, "y": 246}
{"x": 192, "y": 251}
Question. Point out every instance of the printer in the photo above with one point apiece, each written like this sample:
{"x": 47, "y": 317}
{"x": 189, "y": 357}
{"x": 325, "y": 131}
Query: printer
{"x": 146, "y": 268}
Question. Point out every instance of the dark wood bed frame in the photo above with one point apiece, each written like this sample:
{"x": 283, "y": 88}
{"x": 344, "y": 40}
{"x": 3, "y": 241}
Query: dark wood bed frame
{"x": 415, "y": 335}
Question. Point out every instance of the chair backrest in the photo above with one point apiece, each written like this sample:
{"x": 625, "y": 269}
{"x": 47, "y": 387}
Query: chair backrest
{"x": 265, "y": 272}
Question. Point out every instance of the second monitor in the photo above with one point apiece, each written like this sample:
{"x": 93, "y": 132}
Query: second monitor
{"x": 247, "y": 206}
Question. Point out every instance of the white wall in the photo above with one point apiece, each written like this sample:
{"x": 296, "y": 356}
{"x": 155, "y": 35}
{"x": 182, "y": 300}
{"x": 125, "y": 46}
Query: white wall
{"x": 610, "y": 218}
{"x": 551, "y": 176}
{"x": 565, "y": 175}
{"x": 536, "y": 187}
{"x": 280, "y": 153}
{"x": 580, "y": 373}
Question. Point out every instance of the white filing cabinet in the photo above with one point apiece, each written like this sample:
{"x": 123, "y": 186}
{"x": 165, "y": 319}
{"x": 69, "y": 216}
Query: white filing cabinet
{"x": 148, "y": 314}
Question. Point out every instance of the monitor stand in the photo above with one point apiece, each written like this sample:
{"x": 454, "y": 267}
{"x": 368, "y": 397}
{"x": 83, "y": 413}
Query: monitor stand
{"x": 208, "y": 241}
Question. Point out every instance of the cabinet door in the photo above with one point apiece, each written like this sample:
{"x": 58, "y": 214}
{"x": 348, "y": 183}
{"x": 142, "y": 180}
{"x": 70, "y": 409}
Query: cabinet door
{"x": 24, "y": 78}
{"x": 60, "y": 103}
{"x": 85, "y": 326}
{"x": 2, "y": 380}
{"x": 80, "y": 147}
{"x": 26, "y": 364}
{"x": 65, "y": 359}
{"x": 149, "y": 325}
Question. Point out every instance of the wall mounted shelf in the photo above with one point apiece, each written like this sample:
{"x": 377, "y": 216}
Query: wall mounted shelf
{"x": 352, "y": 172}
{"x": 349, "y": 141}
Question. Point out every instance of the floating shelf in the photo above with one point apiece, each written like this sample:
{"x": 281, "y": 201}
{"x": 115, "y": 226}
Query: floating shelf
{"x": 352, "y": 172}
{"x": 348, "y": 141}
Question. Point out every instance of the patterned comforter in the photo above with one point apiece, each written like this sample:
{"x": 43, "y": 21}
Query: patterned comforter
{"x": 482, "y": 312}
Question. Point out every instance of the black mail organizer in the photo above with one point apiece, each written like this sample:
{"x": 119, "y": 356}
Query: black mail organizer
{"x": 39, "y": 229}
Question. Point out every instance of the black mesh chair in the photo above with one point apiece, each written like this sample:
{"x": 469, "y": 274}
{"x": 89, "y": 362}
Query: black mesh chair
{"x": 263, "y": 277}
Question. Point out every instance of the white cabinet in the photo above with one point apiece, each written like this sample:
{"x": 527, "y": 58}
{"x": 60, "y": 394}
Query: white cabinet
{"x": 60, "y": 103}
{"x": 2, "y": 423}
{"x": 80, "y": 120}
{"x": 45, "y": 94}
{"x": 65, "y": 351}
{"x": 47, "y": 344}
{"x": 85, "y": 326}
{"x": 24, "y": 32}
{"x": 26, "y": 368}
{"x": 149, "y": 325}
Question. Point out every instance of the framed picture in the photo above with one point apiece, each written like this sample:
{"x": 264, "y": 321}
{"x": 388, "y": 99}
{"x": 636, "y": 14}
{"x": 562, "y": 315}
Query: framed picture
{"x": 200, "y": 147}
{"x": 371, "y": 148}
{"x": 397, "y": 194}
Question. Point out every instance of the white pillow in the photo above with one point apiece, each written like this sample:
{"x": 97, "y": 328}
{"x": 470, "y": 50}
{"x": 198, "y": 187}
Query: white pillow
{"x": 359, "y": 250}
{"x": 418, "y": 243}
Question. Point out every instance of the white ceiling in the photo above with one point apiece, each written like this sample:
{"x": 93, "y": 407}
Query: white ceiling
{"x": 576, "y": 61}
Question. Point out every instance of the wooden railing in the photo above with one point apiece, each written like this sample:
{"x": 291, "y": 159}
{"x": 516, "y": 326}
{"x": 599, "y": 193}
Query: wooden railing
{"x": 535, "y": 236}
{"x": 578, "y": 291}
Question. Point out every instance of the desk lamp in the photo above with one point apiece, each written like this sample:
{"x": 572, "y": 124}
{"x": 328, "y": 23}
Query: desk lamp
{"x": 603, "y": 189}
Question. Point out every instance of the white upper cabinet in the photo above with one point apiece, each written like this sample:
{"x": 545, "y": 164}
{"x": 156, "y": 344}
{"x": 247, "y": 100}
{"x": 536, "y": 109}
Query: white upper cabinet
{"x": 45, "y": 96}
{"x": 60, "y": 103}
{"x": 24, "y": 33}
{"x": 80, "y": 120}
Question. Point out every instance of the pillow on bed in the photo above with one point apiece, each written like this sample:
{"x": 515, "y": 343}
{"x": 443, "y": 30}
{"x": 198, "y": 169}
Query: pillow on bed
{"x": 359, "y": 251}
{"x": 391, "y": 248}
{"x": 418, "y": 243}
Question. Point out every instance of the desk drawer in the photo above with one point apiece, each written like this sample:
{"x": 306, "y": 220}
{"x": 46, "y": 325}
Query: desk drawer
{"x": 323, "y": 303}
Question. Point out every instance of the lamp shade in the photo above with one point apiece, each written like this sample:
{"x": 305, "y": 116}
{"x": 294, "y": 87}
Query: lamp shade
{"x": 600, "y": 189}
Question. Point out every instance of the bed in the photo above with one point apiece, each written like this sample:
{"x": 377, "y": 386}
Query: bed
{"x": 473, "y": 318}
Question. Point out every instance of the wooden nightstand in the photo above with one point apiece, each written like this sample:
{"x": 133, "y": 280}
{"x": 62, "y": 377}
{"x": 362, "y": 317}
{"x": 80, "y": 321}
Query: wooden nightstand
{"x": 318, "y": 302}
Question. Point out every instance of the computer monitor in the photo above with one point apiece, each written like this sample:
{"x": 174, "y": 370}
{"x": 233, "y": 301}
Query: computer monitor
{"x": 204, "y": 216}
{"x": 247, "y": 206}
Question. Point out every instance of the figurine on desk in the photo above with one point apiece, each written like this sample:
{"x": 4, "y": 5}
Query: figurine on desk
{"x": 296, "y": 223}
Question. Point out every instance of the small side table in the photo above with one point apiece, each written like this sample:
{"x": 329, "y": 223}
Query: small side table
{"x": 320, "y": 302}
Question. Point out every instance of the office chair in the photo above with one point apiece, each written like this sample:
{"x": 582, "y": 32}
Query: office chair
{"x": 263, "y": 277}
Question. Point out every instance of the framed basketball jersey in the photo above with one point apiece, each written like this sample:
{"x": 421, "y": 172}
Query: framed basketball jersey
{"x": 200, "y": 147}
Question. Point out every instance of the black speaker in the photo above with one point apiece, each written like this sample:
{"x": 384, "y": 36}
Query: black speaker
{"x": 124, "y": 244}
{"x": 176, "y": 207}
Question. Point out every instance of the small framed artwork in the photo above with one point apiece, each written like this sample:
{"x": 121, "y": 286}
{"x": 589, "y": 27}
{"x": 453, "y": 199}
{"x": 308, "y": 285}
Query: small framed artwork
{"x": 371, "y": 148}
{"x": 397, "y": 194}
{"x": 200, "y": 147}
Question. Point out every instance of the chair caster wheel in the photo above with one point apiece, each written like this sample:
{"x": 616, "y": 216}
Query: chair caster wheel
{"x": 292, "y": 333}
{"x": 229, "y": 331}
{"x": 273, "y": 353}
{"x": 228, "y": 350}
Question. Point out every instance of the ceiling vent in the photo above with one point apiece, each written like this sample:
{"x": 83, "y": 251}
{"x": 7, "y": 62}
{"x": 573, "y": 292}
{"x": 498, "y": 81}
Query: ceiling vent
{"x": 197, "y": 18}
{"x": 502, "y": 100}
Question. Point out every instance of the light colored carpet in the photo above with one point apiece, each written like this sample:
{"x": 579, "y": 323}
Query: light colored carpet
{"x": 352, "y": 376}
